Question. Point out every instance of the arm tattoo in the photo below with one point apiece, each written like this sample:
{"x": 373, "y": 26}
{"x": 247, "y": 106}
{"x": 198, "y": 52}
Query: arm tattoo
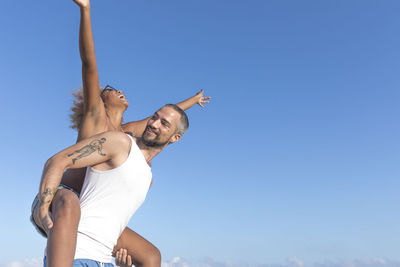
{"x": 95, "y": 145}
{"x": 46, "y": 193}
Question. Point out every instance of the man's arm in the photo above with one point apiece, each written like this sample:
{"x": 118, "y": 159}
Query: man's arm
{"x": 137, "y": 127}
{"x": 105, "y": 150}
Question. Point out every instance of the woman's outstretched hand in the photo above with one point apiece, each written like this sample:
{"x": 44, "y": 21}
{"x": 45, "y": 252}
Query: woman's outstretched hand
{"x": 82, "y": 3}
{"x": 202, "y": 99}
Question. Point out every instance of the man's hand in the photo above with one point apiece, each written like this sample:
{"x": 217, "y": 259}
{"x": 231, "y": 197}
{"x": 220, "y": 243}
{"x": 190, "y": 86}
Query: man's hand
{"x": 45, "y": 219}
{"x": 202, "y": 99}
{"x": 42, "y": 217}
{"x": 82, "y": 3}
{"x": 122, "y": 258}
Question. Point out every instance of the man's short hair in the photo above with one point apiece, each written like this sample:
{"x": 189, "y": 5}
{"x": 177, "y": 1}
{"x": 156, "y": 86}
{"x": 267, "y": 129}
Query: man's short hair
{"x": 183, "y": 123}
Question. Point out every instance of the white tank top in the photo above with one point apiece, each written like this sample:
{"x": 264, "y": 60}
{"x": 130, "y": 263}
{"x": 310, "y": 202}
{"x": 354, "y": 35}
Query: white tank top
{"x": 108, "y": 200}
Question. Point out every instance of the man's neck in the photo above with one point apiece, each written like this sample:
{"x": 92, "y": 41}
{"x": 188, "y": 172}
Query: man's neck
{"x": 148, "y": 152}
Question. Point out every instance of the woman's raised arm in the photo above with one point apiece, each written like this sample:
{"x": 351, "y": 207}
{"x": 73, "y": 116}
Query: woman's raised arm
{"x": 93, "y": 112}
{"x": 90, "y": 76}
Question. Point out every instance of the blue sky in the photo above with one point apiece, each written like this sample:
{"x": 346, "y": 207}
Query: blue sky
{"x": 295, "y": 158}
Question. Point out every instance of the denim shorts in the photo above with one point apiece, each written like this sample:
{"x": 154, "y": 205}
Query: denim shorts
{"x": 35, "y": 202}
{"x": 85, "y": 263}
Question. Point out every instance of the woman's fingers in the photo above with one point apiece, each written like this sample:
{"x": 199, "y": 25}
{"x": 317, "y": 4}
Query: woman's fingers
{"x": 122, "y": 258}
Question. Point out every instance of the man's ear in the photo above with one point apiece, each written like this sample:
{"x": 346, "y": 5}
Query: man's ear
{"x": 175, "y": 138}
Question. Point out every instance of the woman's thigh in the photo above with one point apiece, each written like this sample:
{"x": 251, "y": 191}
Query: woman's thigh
{"x": 74, "y": 178}
{"x": 141, "y": 250}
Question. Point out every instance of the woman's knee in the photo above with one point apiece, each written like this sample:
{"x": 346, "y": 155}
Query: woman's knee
{"x": 153, "y": 258}
{"x": 66, "y": 203}
{"x": 150, "y": 257}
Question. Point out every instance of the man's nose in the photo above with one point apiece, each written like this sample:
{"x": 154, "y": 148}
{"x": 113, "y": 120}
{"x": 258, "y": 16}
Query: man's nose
{"x": 155, "y": 124}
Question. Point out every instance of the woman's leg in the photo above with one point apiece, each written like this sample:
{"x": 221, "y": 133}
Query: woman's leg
{"x": 61, "y": 241}
{"x": 143, "y": 253}
{"x": 74, "y": 178}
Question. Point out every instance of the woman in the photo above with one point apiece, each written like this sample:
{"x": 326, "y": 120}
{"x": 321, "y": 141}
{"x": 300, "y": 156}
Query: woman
{"x": 102, "y": 111}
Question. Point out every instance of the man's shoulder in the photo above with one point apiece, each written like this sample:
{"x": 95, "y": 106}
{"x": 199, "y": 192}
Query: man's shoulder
{"x": 118, "y": 138}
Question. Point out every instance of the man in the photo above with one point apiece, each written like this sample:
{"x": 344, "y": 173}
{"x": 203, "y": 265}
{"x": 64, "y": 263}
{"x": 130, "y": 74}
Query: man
{"x": 119, "y": 172}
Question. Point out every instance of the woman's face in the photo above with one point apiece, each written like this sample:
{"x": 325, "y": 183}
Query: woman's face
{"x": 111, "y": 96}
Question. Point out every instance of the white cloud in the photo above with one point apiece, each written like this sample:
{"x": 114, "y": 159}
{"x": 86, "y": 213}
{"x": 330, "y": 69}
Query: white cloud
{"x": 209, "y": 262}
{"x": 25, "y": 263}
{"x": 377, "y": 262}
{"x": 206, "y": 262}
{"x": 290, "y": 262}
{"x": 294, "y": 262}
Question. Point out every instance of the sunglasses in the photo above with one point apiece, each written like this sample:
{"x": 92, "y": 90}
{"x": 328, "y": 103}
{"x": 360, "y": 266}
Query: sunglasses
{"x": 109, "y": 88}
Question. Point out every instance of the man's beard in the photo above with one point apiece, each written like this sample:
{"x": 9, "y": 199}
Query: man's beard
{"x": 156, "y": 143}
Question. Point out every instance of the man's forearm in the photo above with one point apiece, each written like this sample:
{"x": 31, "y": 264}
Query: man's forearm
{"x": 51, "y": 179}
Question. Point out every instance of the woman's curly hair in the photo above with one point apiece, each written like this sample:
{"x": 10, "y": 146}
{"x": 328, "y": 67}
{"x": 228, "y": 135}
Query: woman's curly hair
{"x": 78, "y": 108}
